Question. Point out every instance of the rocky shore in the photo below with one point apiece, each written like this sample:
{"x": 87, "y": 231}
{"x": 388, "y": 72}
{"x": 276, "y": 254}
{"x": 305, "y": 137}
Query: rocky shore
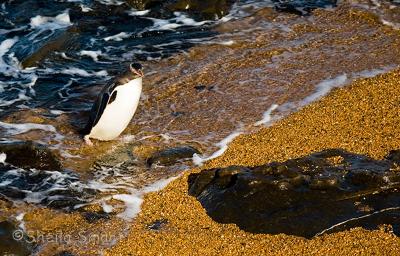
{"x": 361, "y": 118}
{"x": 340, "y": 148}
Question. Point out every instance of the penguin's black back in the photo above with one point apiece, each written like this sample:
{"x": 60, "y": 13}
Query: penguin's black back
{"x": 103, "y": 99}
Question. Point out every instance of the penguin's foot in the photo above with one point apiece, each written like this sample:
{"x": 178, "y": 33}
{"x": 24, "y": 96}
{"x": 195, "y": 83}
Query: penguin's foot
{"x": 87, "y": 140}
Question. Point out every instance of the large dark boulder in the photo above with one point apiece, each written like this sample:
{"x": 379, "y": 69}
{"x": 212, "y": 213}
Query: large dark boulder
{"x": 325, "y": 192}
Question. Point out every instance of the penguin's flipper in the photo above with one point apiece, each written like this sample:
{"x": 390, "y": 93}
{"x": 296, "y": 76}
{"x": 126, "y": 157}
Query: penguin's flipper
{"x": 96, "y": 111}
{"x": 102, "y": 106}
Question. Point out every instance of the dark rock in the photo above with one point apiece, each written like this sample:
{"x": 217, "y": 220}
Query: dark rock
{"x": 172, "y": 156}
{"x": 30, "y": 155}
{"x": 200, "y": 87}
{"x": 394, "y": 156}
{"x": 301, "y": 7}
{"x": 93, "y": 217}
{"x": 211, "y": 9}
{"x": 157, "y": 225}
{"x": 14, "y": 241}
{"x": 177, "y": 113}
{"x": 64, "y": 253}
{"x": 62, "y": 202}
{"x": 59, "y": 43}
{"x": 325, "y": 192}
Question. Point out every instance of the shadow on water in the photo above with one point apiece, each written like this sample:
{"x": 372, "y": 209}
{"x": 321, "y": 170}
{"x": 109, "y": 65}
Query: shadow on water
{"x": 324, "y": 192}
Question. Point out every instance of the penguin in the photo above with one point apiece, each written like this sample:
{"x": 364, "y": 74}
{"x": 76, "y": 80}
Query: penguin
{"x": 115, "y": 106}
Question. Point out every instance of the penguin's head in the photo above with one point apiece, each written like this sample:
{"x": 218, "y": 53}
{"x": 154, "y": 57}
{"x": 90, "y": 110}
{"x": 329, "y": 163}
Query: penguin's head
{"x": 136, "y": 69}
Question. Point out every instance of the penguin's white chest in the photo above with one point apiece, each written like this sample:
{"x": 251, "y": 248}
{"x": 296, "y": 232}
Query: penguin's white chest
{"x": 118, "y": 113}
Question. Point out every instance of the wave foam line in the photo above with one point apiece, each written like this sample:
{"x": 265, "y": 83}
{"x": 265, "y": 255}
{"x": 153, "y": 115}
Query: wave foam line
{"x": 223, "y": 146}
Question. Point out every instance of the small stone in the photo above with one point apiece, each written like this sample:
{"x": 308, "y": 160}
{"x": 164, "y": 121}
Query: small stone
{"x": 172, "y": 156}
{"x": 157, "y": 225}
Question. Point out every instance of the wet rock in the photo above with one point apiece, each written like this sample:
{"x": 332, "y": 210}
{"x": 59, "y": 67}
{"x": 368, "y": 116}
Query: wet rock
{"x": 325, "y": 192}
{"x": 59, "y": 43}
{"x": 200, "y": 87}
{"x": 172, "y": 156}
{"x": 13, "y": 241}
{"x": 93, "y": 217}
{"x": 177, "y": 113}
{"x": 157, "y": 225}
{"x": 211, "y": 9}
{"x": 64, "y": 253}
{"x": 62, "y": 203}
{"x": 394, "y": 156}
{"x": 30, "y": 155}
{"x": 301, "y": 7}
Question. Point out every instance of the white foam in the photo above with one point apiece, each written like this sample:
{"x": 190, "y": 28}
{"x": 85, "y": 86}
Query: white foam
{"x": 137, "y": 13}
{"x": 5, "y": 183}
{"x": 92, "y": 54}
{"x": 228, "y": 43}
{"x": 64, "y": 55}
{"x": 158, "y": 185}
{"x": 21, "y": 96}
{"x": 372, "y": 73}
{"x": 82, "y": 72}
{"x": 267, "y": 115}
{"x": 110, "y": 2}
{"x": 324, "y": 87}
{"x": 3, "y": 158}
{"x": 391, "y": 24}
{"x": 245, "y": 8}
{"x": 107, "y": 208}
{"x": 51, "y": 23}
{"x": 56, "y": 112}
{"x": 5, "y": 46}
{"x": 223, "y": 146}
{"x": 14, "y": 129}
{"x": 84, "y": 8}
{"x": 20, "y": 218}
{"x": 179, "y": 20}
{"x": 132, "y": 204}
{"x": 118, "y": 37}
{"x": 12, "y": 69}
{"x": 134, "y": 201}
{"x": 321, "y": 89}
{"x": 75, "y": 71}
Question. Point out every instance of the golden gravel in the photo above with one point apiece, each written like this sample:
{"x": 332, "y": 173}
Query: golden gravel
{"x": 362, "y": 118}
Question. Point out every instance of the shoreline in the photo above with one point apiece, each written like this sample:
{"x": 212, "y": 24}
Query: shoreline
{"x": 365, "y": 112}
{"x": 195, "y": 93}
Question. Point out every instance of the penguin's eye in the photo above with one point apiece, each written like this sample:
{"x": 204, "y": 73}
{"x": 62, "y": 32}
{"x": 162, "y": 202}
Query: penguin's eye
{"x": 136, "y": 66}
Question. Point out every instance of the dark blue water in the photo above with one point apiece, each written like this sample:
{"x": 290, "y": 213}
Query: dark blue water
{"x": 52, "y": 51}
